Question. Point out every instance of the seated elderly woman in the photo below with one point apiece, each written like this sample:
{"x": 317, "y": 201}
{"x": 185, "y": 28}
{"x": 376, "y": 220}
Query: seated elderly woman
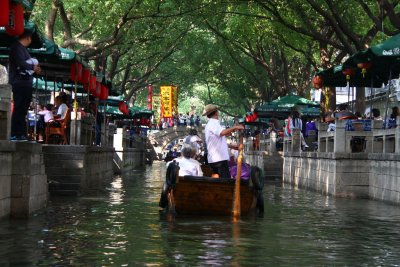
{"x": 187, "y": 165}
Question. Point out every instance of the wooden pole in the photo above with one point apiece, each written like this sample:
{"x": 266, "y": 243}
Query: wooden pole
{"x": 236, "y": 196}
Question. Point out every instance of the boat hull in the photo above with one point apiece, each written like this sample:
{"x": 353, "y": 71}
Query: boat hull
{"x": 208, "y": 196}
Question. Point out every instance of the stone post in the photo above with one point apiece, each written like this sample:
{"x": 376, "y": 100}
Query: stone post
{"x": 296, "y": 142}
{"x": 397, "y": 136}
{"x": 340, "y": 137}
{"x": 272, "y": 142}
{"x": 5, "y": 111}
{"x": 76, "y": 129}
{"x": 29, "y": 190}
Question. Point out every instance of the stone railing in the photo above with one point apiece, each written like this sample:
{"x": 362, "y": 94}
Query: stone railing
{"x": 5, "y": 111}
{"x": 377, "y": 140}
{"x": 267, "y": 143}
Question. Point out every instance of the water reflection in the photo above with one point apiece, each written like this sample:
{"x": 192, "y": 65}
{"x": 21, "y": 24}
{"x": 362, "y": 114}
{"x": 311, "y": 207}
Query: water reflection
{"x": 124, "y": 227}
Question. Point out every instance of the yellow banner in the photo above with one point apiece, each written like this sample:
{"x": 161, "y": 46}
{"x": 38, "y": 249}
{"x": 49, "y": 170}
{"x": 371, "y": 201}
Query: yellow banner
{"x": 166, "y": 101}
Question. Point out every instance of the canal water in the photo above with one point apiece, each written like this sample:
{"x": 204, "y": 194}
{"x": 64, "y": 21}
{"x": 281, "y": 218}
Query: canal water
{"x": 123, "y": 227}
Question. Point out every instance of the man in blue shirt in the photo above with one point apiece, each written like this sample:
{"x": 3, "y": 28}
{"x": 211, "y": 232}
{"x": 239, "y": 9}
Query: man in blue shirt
{"x": 20, "y": 78}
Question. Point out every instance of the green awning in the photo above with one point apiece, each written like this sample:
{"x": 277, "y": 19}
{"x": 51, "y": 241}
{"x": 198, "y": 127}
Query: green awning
{"x": 66, "y": 54}
{"x": 385, "y": 65}
{"x": 25, "y": 3}
{"x": 49, "y": 86}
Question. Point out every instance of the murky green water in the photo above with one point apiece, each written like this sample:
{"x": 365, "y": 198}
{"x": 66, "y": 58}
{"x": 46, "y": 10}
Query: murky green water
{"x": 123, "y": 227}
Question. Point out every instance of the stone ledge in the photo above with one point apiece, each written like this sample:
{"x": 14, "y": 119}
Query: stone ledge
{"x": 7, "y": 146}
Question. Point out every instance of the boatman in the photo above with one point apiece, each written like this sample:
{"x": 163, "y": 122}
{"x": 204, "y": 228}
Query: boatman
{"x": 217, "y": 147}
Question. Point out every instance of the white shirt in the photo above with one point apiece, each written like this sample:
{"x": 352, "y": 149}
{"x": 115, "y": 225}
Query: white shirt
{"x": 62, "y": 110}
{"x": 195, "y": 141}
{"x": 217, "y": 147}
{"x": 48, "y": 115}
{"x": 188, "y": 167}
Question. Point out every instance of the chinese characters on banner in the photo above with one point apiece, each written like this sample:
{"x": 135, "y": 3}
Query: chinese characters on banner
{"x": 166, "y": 101}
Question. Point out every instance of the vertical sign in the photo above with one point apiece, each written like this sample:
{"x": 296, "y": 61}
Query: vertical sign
{"x": 157, "y": 108}
{"x": 166, "y": 101}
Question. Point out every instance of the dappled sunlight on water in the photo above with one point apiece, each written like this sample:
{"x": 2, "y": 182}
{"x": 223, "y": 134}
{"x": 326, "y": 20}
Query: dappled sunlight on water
{"x": 124, "y": 227}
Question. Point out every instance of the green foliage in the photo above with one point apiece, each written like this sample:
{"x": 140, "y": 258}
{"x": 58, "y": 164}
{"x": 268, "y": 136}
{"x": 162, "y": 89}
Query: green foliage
{"x": 236, "y": 54}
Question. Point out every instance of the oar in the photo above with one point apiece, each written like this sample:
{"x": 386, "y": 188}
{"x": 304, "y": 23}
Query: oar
{"x": 236, "y": 196}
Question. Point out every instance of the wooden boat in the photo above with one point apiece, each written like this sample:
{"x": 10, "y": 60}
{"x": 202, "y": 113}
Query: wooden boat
{"x": 200, "y": 195}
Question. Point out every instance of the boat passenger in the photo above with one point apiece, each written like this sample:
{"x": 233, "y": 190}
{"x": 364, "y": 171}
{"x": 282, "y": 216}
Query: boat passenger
{"x": 194, "y": 140}
{"x": 217, "y": 147}
{"x": 187, "y": 165}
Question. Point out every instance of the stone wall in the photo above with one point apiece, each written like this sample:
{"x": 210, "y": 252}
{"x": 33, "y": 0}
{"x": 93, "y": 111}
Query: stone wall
{"x": 373, "y": 175}
{"x": 6, "y": 152}
{"x": 29, "y": 191}
{"x": 78, "y": 170}
{"x": 23, "y": 182}
{"x": 132, "y": 158}
{"x": 384, "y": 177}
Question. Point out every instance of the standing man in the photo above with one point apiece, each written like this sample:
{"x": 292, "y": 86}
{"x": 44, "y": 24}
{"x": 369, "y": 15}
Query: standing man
{"x": 217, "y": 148}
{"x": 20, "y": 77}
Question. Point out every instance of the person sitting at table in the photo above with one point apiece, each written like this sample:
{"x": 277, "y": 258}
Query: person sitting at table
{"x": 344, "y": 113}
{"x": 62, "y": 108}
{"x": 392, "y": 121}
{"x": 376, "y": 114}
{"x": 46, "y": 111}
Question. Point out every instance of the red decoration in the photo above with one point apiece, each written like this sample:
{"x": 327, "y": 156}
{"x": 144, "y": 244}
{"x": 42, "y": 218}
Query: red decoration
{"x": 85, "y": 76}
{"x": 348, "y": 72}
{"x": 15, "y": 26}
{"x": 123, "y": 107}
{"x": 97, "y": 91}
{"x": 317, "y": 82}
{"x": 76, "y": 72}
{"x": 364, "y": 67}
{"x": 4, "y": 12}
{"x": 254, "y": 117}
{"x": 248, "y": 118}
{"x": 92, "y": 84}
{"x": 104, "y": 92}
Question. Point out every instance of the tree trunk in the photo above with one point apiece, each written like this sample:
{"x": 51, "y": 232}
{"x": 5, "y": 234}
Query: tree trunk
{"x": 50, "y": 21}
{"x": 360, "y": 100}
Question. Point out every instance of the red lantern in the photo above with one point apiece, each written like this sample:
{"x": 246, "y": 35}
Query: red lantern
{"x": 76, "y": 72}
{"x": 104, "y": 92}
{"x": 248, "y": 118}
{"x": 123, "y": 107}
{"x": 85, "y": 76}
{"x": 254, "y": 116}
{"x": 348, "y": 72}
{"x": 364, "y": 67}
{"x": 317, "y": 82}
{"x": 92, "y": 85}
{"x": 97, "y": 92}
{"x": 4, "y": 12}
{"x": 15, "y": 26}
